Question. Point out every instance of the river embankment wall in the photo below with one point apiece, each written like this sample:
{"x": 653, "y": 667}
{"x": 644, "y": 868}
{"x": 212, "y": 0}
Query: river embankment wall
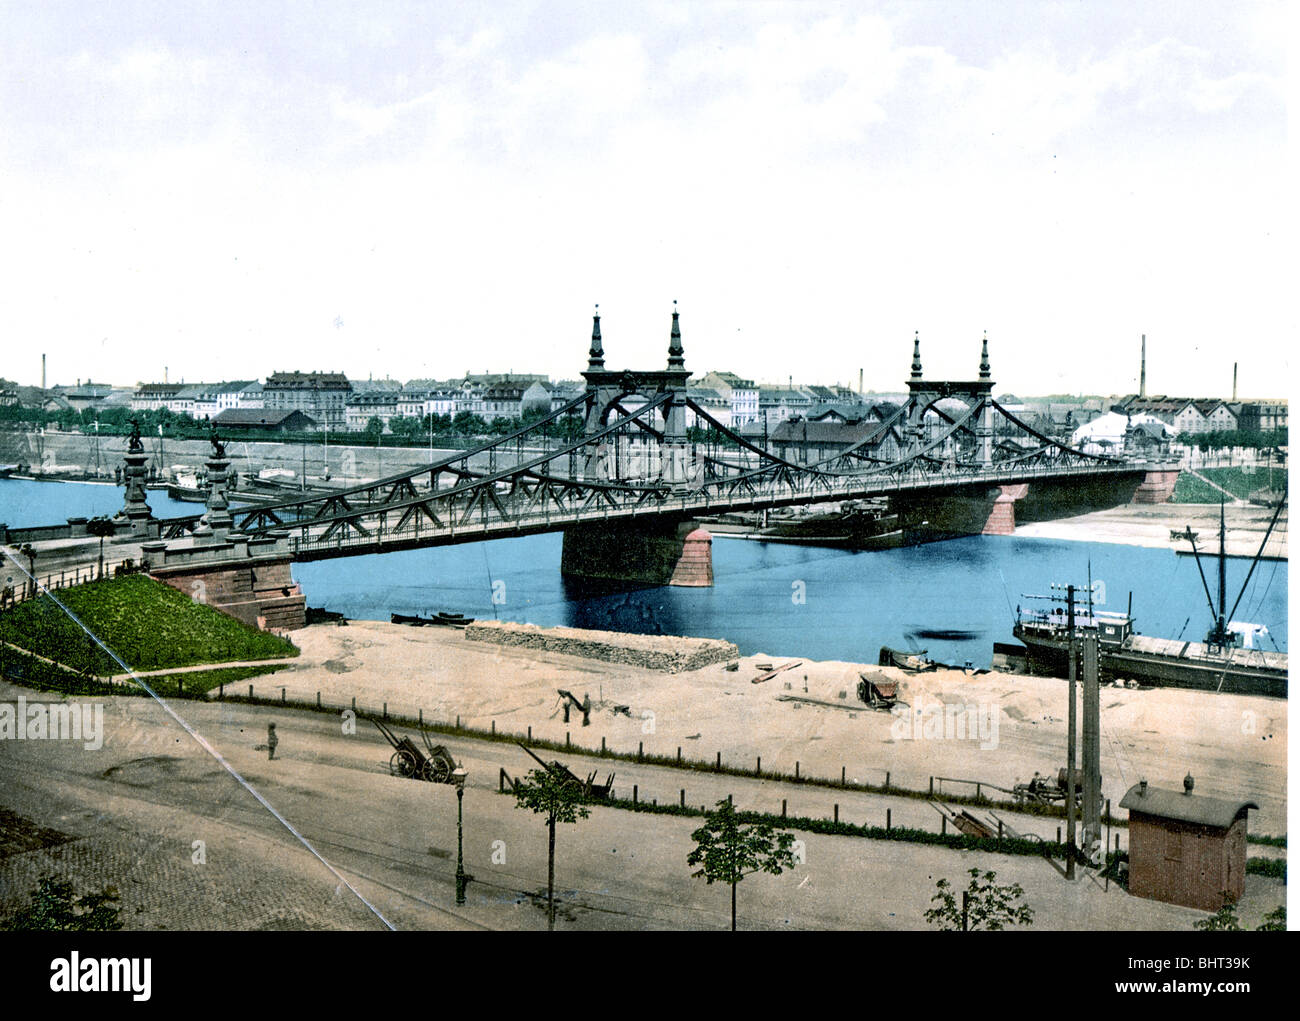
{"x": 668, "y": 653}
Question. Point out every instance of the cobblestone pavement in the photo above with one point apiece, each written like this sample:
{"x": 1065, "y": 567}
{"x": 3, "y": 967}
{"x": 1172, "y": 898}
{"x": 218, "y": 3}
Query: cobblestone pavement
{"x": 161, "y": 887}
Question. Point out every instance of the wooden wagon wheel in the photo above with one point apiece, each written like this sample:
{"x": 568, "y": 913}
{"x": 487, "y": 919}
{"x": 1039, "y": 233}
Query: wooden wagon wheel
{"x": 402, "y": 763}
{"x": 437, "y": 771}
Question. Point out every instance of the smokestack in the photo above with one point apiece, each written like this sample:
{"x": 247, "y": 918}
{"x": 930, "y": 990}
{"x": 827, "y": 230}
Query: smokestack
{"x": 164, "y": 373}
{"x": 42, "y": 371}
{"x": 1234, "y": 381}
{"x": 1142, "y": 380}
{"x": 859, "y": 381}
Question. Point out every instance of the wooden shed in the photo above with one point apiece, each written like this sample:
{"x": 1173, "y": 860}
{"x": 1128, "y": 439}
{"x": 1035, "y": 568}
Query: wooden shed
{"x": 1186, "y": 848}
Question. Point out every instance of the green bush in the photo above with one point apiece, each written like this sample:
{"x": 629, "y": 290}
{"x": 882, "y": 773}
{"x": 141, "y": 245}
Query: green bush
{"x": 1274, "y": 867}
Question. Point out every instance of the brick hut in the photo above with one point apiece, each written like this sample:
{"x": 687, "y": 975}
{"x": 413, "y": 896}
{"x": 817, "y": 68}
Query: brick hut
{"x": 1186, "y": 848}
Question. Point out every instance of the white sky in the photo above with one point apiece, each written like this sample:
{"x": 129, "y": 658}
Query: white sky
{"x": 235, "y": 188}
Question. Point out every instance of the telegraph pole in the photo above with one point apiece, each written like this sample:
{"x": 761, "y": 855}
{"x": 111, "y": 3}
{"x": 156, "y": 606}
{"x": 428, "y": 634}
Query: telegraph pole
{"x": 1091, "y": 743}
{"x": 1070, "y": 730}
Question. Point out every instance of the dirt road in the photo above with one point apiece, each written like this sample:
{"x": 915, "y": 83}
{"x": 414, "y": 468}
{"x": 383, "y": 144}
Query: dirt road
{"x": 1233, "y": 745}
{"x": 133, "y": 811}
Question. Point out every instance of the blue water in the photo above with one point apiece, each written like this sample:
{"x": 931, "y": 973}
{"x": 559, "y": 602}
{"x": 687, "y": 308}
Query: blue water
{"x": 25, "y": 504}
{"x": 853, "y": 602}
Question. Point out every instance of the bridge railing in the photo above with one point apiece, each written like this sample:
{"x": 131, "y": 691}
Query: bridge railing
{"x": 20, "y": 588}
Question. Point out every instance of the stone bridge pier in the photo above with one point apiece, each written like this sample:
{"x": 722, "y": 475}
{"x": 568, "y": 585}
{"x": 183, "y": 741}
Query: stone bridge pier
{"x": 652, "y": 553}
{"x": 996, "y": 510}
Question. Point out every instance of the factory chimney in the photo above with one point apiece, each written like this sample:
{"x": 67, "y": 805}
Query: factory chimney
{"x": 164, "y": 373}
{"x": 859, "y": 381}
{"x": 1234, "y": 381}
{"x": 42, "y": 371}
{"x": 1142, "y": 380}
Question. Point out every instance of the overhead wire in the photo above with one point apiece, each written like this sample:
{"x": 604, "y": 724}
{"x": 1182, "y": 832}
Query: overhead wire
{"x": 202, "y": 741}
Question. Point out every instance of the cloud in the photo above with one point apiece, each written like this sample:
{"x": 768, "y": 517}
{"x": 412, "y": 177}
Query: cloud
{"x": 812, "y": 182}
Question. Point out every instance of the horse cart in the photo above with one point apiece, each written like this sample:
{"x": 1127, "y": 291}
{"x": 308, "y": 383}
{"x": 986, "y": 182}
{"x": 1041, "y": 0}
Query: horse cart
{"x": 434, "y": 764}
{"x": 591, "y": 791}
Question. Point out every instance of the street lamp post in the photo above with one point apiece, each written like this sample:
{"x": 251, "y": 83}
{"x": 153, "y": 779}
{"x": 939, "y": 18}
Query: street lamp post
{"x": 458, "y": 778}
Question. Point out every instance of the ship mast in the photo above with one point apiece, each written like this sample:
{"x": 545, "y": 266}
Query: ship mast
{"x": 1219, "y": 634}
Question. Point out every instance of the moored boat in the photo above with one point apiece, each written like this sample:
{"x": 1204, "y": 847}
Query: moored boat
{"x": 1227, "y": 661}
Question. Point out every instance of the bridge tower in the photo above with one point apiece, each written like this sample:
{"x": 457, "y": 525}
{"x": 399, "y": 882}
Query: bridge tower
{"x": 657, "y": 552}
{"x": 984, "y": 430}
{"x": 975, "y": 394}
{"x": 607, "y": 387}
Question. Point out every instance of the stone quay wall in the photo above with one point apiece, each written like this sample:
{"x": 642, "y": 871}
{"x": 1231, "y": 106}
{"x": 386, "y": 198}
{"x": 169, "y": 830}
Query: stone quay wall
{"x": 668, "y": 653}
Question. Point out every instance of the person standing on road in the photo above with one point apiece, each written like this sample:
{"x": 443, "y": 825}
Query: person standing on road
{"x": 271, "y": 740}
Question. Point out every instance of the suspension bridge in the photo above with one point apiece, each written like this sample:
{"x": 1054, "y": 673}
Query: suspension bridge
{"x": 627, "y": 489}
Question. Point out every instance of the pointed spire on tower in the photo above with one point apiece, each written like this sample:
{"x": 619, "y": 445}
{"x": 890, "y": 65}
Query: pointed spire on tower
{"x": 985, "y": 370}
{"x": 595, "y": 356}
{"x": 676, "y": 354}
{"x": 916, "y": 357}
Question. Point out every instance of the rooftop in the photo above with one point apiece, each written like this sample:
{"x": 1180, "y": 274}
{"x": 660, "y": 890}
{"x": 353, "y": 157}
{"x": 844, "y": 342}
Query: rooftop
{"x": 1184, "y": 806}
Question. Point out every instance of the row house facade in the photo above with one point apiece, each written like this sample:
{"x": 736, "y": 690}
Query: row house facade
{"x": 1189, "y": 416}
{"x": 742, "y": 395}
{"x": 565, "y": 392}
{"x": 716, "y": 404}
{"x": 155, "y": 396}
{"x": 777, "y": 404}
{"x": 321, "y": 396}
{"x": 1263, "y": 416}
{"x": 362, "y": 407}
{"x": 210, "y": 400}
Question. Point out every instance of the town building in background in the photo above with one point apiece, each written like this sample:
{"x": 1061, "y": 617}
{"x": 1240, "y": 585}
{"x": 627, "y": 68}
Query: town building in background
{"x": 321, "y": 396}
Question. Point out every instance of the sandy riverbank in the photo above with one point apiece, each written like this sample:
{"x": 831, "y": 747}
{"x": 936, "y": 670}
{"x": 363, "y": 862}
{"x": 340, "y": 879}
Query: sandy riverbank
{"x": 1235, "y": 746}
{"x": 1150, "y": 524}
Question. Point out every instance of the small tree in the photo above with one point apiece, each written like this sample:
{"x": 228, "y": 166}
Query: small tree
{"x": 727, "y": 851}
{"x": 560, "y": 800}
{"x": 1274, "y": 921}
{"x": 986, "y": 905}
{"x": 54, "y": 908}
{"x": 103, "y": 528}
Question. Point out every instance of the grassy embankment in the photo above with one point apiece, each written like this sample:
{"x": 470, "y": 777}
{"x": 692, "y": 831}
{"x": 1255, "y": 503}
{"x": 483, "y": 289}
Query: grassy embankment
{"x": 1241, "y": 482}
{"x": 151, "y": 626}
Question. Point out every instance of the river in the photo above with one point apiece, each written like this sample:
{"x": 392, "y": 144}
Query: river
{"x": 769, "y": 598}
